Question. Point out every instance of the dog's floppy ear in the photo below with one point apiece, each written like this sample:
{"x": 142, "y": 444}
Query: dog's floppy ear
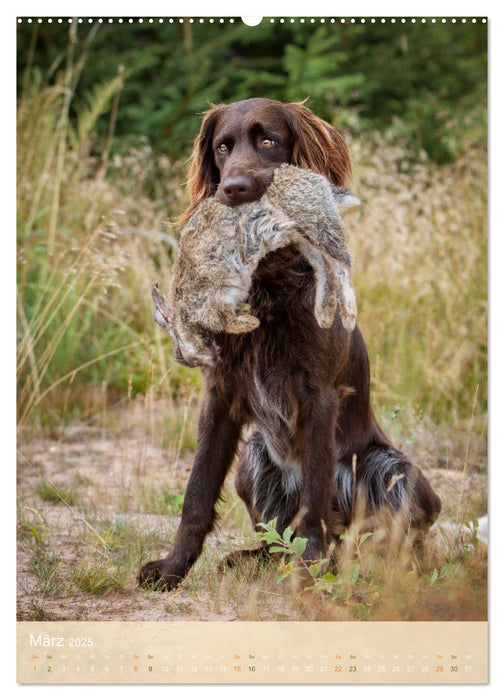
{"x": 203, "y": 174}
{"x": 317, "y": 145}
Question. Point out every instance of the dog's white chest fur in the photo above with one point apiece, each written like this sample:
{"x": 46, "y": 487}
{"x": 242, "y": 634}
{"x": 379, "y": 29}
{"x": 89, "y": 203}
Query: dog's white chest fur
{"x": 277, "y": 419}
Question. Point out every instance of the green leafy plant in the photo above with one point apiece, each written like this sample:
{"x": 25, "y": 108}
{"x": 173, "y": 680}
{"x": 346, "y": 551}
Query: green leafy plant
{"x": 439, "y": 575}
{"x": 340, "y": 586}
{"x": 472, "y": 527}
{"x": 283, "y": 543}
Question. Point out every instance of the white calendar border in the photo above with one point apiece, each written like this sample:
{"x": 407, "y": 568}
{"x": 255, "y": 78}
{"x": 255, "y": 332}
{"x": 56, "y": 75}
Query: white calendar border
{"x": 274, "y": 8}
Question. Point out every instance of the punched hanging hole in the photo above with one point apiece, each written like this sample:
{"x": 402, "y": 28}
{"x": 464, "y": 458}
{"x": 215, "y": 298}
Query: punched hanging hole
{"x": 251, "y": 21}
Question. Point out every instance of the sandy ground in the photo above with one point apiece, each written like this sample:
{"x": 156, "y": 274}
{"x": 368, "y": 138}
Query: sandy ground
{"x": 104, "y": 470}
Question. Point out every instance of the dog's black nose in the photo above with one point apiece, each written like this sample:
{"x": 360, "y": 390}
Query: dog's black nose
{"x": 237, "y": 189}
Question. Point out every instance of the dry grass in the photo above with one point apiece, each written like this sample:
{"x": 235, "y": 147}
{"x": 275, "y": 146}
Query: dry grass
{"x": 107, "y": 419}
{"x": 78, "y": 558}
{"x": 420, "y": 249}
{"x": 89, "y": 245}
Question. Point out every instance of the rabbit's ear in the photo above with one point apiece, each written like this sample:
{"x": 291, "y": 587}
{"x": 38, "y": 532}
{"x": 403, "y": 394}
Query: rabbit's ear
{"x": 344, "y": 198}
{"x": 163, "y": 314}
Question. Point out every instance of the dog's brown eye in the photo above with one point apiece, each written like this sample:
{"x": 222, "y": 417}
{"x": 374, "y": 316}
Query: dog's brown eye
{"x": 268, "y": 143}
{"x": 222, "y": 148}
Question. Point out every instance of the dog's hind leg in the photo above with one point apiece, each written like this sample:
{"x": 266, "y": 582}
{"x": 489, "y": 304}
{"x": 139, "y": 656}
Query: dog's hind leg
{"x": 384, "y": 477}
{"x": 383, "y": 491}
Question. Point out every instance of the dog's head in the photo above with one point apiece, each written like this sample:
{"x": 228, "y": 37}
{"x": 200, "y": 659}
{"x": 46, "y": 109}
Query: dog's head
{"x": 240, "y": 145}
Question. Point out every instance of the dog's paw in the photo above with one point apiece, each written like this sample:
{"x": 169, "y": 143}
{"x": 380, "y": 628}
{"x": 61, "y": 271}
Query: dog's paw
{"x": 158, "y": 576}
{"x": 258, "y": 556}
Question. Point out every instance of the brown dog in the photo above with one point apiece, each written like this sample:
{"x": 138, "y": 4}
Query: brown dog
{"x": 316, "y": 449}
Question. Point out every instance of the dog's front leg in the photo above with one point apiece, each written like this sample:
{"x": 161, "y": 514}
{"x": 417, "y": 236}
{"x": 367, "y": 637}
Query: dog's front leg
{"x": 217, "y": 441}
{"x": 318, "y": 450}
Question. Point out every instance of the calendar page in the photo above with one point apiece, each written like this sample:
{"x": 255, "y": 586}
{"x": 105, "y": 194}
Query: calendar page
{"x": 252, "y": 361}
